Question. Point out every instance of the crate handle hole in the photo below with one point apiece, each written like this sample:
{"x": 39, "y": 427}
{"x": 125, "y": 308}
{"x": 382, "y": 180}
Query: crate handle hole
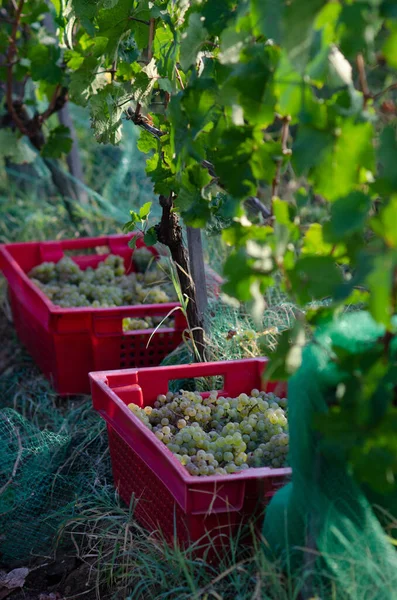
{"x": 197, "y": 384}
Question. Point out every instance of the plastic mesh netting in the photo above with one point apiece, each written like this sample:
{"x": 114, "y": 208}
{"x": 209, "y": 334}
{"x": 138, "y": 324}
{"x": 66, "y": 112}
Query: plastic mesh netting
{"x": 323, "y": 509}
{"x": 51, "y": 459}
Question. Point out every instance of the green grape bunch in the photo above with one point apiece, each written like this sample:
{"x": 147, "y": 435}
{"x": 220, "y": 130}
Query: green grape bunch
{"x": 215, "y": 435}
{"x": 66, "y": 285}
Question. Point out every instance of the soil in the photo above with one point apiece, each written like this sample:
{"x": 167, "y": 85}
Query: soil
{"x": 62, "y": 579}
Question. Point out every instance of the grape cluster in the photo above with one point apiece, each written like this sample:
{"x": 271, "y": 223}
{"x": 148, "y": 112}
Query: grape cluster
{"x": 215, "y": 435}
{"x": 66, "y": 285}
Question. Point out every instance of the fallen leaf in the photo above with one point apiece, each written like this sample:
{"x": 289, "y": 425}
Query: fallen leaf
{"x": 12, "y": 580}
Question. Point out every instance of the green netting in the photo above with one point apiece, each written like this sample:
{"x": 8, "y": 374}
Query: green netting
{"x": 323, "y": 509}
{"x": 52, "y": 457}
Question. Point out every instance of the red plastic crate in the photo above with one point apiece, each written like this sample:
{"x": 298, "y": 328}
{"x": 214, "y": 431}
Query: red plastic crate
{"x": 169, "y": 498}
{"x": 68, "y": 343}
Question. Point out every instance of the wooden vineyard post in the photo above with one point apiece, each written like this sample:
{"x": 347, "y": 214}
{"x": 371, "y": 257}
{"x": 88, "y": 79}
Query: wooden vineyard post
{"x": 197, "y": 268}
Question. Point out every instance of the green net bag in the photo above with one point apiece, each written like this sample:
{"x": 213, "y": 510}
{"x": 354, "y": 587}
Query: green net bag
{"x": 324, "y": 522}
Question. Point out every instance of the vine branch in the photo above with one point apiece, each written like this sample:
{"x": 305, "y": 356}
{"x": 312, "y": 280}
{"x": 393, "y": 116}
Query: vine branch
{"x": 389, "y": 88}
{"x": 363, "y": 78}
{"x": 139, "y": 20}
{"x": 57, "y": 102}
{"x": 284, "y": 140}
{"x": 11, "y": 55}
{"x": 152, "y": 30}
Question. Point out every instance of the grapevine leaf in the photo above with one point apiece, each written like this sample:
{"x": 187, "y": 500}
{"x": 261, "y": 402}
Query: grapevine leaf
{"x": 133, "y": 241}
{"x": 44, "y": 63}
{"x": 315, "y": 278}
{"x": 192, "y": 40}
{"x": 85, "y": 9}
{"x": 250, "y": 84}
{"x": 58, "y": 143}
{"x": 144, "y": 211}
{"x": 73, "y": 59}
{"x": 309, "y": 148}
{"x": 113, "y": 23}
{"x": 146, "y": 142}
{"x": 106, "y": 111}
{"x": 217, "y": 14}
{"x": 287, "y": 23}
{"x": 348, "y": 216}
{"x": 384, "y": 224}
{"x": 150, "y": 237}
{"x": 264, "y": 161}
{"x": 314, "y": 243}
{"x": 339, "y": 171}
{"x": 85, "y": 82}
{"x": 380, "y": 286}
{"x": 232, "y": 161}
{"x": 17, "y": 150}
{"x": 390, "y": 48}
{"x": 239, "y": 275}
{"x": 386, "y": 154}
{"x": 287, "y": 357}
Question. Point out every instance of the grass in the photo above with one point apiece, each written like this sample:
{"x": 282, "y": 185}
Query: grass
{"x": 138, "y": 566}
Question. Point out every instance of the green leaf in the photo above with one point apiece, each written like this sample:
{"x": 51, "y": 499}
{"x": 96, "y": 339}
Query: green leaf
{"x": 129, "y": 226}
{"x": 386, "y": 153}
{"x": 356, "y": 25}
{"x": 58, "y": 143}
{"x": 309, "y": 148}
{"x": 232, "y": 161}
{"x": 239, "y": 275}
{"x": 106, "y": 109}
{"x": 144, "y": 211}
{"x": 288, "y": 23}
{"x": 134, "y": 216}
{"x": 217, "y": 14}
{"x": 380, "y": 286}
{"x": 14, "y": 148}
{"x": 162, "y": 176}
{"x": 190, "y": 201}
{"x": 384, "y": 224}
{"x": 267, "y": 18}
{"x": 251, "y": 86}
{"x": 390, "y": 48}
{"x": 85, "y": 9}
{"x": 85, "y": 82}
{"x": 150, "y": 237}
{"x": 314, "y": 243}
{"x": 165, "y": 84}
{"x": 292, "y": 89}
{"x": 315, "y": 278}
{"x": 73, "y": 59}
{"x": 133, "y": 241}
{"x": 348, "y": 216}
{"x": 114, "y": 24}
{"x": 44, "y": 63}
{"x": 192, "y": 40}
{"x": 146, "y": 141}
{"x": 287, "y": 357}
{"x": 232, "y": 43}
{"x": 264, "y": 161}
{"x": 339, "y": 171}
